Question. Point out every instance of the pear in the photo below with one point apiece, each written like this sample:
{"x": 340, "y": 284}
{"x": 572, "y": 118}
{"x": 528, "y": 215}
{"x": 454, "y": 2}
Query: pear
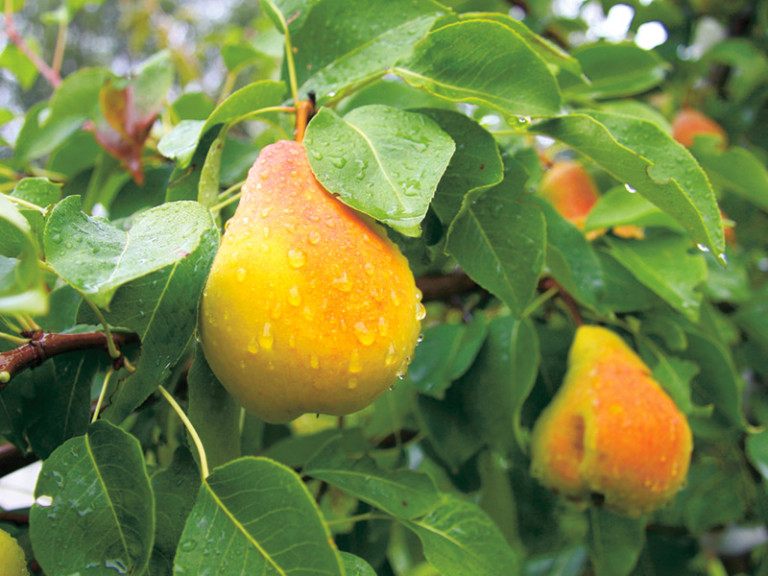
{"x": 571, "y": 190}
{"x": 689, "y": 123}
{"x": 308, "y": 307}
{"x": 611, "y": 430}
{"x": 12, "y": 561}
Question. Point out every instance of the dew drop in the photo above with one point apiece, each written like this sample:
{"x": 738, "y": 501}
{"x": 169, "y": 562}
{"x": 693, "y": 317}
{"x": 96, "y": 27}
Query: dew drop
{"x": 365, "y": 337}
{"x": 421, "y": 312}
{"x": 391, "y": 355}
{"x": 253, "y": 346}
{"x": 402, "y": 370}
{"x": 702, "y": 247}
{"x": 277, "y": 311}
{"x": 314, "y": 237}
{"x": 342, "y": 283}
{"x": 241, "y": 274}
{"x": 370, "y": 269}
{"x": 317, "y": 155}
{"x": 44, "y": 501}
{"x": 352, "y": 384}
{"x": 265, "y": 231}
{"x": 296, "y": 258}
{"x": 188, "y": 545}
{"x": 266, "y": 338}
{"x": 294, "y": 298}
{"x": 339, "y": 162}
{"x": 56, "y": 238}
{"x": 723, "y": 259}
{"x": 265, "y": 211}
{"x": 630, "y": 189}
{"x": 68, "y": 245}
{"x": 355, "y": 366}
{"x": 383, "y": 326}
{"x": 395, "y": 299}
{"x": 314, "y": 361}
{"x": 264, "y": 174}
{"x": 420, "y": 338}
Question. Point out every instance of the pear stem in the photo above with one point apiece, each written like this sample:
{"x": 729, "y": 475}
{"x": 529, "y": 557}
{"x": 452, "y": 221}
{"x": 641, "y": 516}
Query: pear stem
{"x": 570, "y": 303}
{"x": 304, "y": 112}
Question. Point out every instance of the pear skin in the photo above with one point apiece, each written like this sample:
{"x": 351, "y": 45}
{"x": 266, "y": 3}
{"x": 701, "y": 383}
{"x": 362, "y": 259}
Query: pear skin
{"x": 308, "y": 306}
{"x": 689, "y": 123}
{"x": 12, "y": 560}
{"x": 611, "y": 430}
{"x": 571, "y": 190}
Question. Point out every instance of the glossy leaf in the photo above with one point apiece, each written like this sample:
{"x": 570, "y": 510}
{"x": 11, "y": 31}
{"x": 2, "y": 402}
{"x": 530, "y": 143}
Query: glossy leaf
{"x": 461, "y": 540}
{"x": 340, "y": 45}
{"x": 666, "y": 266}
{"x": 642, "y": 155}
{"x": 618, "y": 207}
{"x": 21, "y": 284}
{"x": 250, "y": 101}
{"x": 515, "y": 79}
{"x": 380, "y": 160}
{"x": 97, "y": 485}
{"x": 356, "y": 566}
{"x": 13, "y": 60}
{"x": 255, "y": 516}
{"x": 500, "y": 243}
{"x": 445, "y": 354}
{"x": 159, "y": 238}
{"x": 403, "y": 493}
{"x": 616, "y": 70}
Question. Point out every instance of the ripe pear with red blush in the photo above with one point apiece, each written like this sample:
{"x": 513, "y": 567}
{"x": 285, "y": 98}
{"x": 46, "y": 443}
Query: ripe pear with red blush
{"x": 308, "y": 306}
{"x": 689, "y": 123}
{"x": 611, "y": 430}
{"x": 571, "y": 190}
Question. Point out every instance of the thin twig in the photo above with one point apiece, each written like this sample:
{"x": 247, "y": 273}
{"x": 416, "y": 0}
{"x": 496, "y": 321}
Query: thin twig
{"x": 51, "y": 75}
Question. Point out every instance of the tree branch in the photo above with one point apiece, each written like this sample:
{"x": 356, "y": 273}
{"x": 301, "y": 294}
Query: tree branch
{"x": 44, "y": 345}
{"x": 53, "y": 77}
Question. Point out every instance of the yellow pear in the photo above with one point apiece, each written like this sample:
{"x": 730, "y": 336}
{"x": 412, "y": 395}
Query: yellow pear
{"x": 611, "y": 430}
{"x": 12, "y": 561}
{"x": 308, "y": 307}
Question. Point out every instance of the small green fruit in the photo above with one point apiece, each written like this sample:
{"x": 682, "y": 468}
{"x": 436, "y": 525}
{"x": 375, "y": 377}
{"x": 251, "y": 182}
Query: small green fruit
{"x": 12, "y": 561}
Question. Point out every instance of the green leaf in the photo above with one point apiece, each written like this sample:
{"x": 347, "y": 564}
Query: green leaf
{"x": 18, "y": 64}
{"x": 500, "y": 381}
{"x": 78, "y": 96}
{"x": 642, "y": 155}
{"x": 37, "y": 139}
{"x": 39, "y": 191}
{"x": 356, "y": 566}
{"x": 666, "y": 266}
{"x": 757, "y": 451}
{"x": 500, "y": 243}
{"x": 718, "y": 383}
{"x": 175, "y": 490}
{"x": 97, "y": 258}
{"x": 94, "y": 485}
{"x": 213, "y": 412}
{"x": 286, "y": 13}
{"x": 341, "y": 45}
{"x": 151, "y": 82}
{"x": 380, "y": 160}
{"x": 476, "y": 164}
{"x": 614, "y": 543}
{"x": 736, "y": 169}
{"x": 22, "y": 290}
{"x": 515, "y": 79}
{"x": 617, "y": 70}
{"x": 570, "y": 257}
{"x": 674, "y": 375}
{"x": 461, "y": 540}
{"x": 255, "y": 516}
{"x": 446, "y": 353}
{"x": 402, "y": 493}
{"x": 618, "y": 207}
{"x": 180, "y": 143}
{"x": 622, "y": 292}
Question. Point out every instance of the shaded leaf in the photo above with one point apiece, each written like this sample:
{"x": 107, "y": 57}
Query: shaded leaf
{"x": 403, "y": 493}
{"x": 500, "y": 243}
{"x": 445, "y": 354}
{"x": 97, "y": 485}
{"x": 614, "y": 543}
{"x": 380, "y": 160}
{"x": 255, "y": 516}
{"x": 356, "y": 566}
{"x": 618, "y": 207}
